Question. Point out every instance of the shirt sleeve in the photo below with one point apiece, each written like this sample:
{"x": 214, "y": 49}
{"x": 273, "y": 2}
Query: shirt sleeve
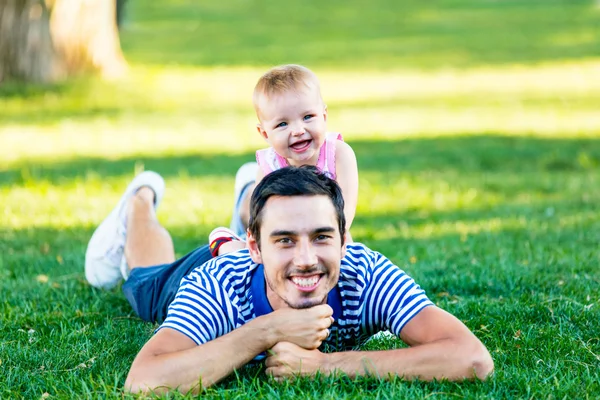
{"x": 198, "y": 310}
{"x": 393, "y": 298}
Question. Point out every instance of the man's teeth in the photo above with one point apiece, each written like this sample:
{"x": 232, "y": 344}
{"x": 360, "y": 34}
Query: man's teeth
{"x": 306, "y": 282}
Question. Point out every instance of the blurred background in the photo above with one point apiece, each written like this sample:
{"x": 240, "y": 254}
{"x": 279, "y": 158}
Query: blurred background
{"x": 175, "y": 77}
{"x": 475, "y": 124}
{"x": 180, "y": 76}
{"x": 451, "y": 105}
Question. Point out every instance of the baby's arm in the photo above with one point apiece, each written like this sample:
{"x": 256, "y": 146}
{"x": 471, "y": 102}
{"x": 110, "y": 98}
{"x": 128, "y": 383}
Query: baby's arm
{"x": 347, "y": 177}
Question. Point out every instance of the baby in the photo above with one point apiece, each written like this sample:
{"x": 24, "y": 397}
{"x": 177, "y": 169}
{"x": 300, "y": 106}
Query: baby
{"x": 293, "y": 121}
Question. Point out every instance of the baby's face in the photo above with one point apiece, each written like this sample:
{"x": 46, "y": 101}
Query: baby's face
{"x": 294, "y": 124}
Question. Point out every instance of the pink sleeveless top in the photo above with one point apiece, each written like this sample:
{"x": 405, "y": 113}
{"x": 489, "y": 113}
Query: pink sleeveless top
{"x": 270, "y": 161}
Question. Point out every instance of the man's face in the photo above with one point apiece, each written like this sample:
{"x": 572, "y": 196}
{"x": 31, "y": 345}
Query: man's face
{"x": 301, "y": 250}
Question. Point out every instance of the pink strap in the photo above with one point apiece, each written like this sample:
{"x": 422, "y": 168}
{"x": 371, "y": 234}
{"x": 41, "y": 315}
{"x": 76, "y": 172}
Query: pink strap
{"x": 326, "y": 162}
{"x": 269, "y": 160}
{"x": 261, "y": 159}
{"x": 282, "y": 161}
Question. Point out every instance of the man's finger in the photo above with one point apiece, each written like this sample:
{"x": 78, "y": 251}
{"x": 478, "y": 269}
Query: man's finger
{"x": 271, "y": 361}
{"x": 325, "y": 323}
{"x": 277, "y": 373}
{"x": 322, "y": 311}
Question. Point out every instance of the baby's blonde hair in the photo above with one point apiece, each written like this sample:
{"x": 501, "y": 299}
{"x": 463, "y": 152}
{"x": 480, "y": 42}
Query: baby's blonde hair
{"x": 282, "y": 79}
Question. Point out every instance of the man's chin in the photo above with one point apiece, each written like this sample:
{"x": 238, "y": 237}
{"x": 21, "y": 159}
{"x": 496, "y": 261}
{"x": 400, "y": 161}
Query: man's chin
{"x": 300, "y": 304}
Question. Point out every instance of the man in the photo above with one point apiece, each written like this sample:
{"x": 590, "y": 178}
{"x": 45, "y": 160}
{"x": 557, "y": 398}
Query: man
{"x": 297, "y": 290}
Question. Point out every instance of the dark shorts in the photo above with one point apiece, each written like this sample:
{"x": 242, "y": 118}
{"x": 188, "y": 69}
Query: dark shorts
{"x": 151, "y": 290}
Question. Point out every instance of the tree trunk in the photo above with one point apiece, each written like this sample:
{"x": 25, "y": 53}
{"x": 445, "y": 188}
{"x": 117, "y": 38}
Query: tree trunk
{"x": 85, "y": 34}
{"x": 26, "y": 51}
{"x": 42, "y": 42}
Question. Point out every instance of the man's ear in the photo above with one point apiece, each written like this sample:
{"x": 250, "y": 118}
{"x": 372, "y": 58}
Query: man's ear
{"x": 262, "y": 132}
{"x": 343, "y": 252}
{"x": 325, "y": 112}
{"x": 253, "y": 248}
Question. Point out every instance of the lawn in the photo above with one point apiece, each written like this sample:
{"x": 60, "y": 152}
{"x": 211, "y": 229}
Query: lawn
{"x": 477, "y": 133}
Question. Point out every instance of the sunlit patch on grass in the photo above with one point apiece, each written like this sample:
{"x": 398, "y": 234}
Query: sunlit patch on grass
{"x": 80, "y": 203}
{"x": 461, "y": 230}
{"x": 174, "y": 110}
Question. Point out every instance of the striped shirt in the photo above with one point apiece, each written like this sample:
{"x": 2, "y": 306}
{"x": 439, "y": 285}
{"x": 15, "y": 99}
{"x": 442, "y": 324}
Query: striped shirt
{"x": 372, "y": 295}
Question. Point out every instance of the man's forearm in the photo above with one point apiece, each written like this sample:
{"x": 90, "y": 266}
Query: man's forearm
{"x": 444, "y": 359}
{"x": 203, "y": 365}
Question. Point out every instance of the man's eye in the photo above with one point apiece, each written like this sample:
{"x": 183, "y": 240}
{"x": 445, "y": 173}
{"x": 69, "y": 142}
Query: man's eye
{"x": 284, "y": 241}
{"x": 320, "y": 238}
{"x": 281, "y": 125}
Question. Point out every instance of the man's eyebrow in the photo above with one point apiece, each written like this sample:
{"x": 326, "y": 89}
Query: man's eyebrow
{"x": 283, "y": 233}
{"x": 323, "y": 229}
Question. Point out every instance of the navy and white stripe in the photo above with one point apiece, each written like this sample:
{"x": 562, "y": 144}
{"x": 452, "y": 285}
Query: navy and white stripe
{"x": 374, "y": 295}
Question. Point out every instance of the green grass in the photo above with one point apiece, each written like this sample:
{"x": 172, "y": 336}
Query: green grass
{"x": 477, "y": 133}
{"x": 348, "y": 34}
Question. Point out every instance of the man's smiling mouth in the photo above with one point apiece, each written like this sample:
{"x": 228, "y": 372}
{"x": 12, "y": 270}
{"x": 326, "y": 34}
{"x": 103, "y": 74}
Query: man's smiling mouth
{"x": 306, "y": 283}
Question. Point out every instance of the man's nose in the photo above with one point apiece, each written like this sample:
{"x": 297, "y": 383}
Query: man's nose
{"x": 305, "y": 254}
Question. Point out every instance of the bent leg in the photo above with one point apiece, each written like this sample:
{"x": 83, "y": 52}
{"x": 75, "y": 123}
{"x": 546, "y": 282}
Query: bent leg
{"x": 147, "y": 242}
{"x": 104, "y": 256}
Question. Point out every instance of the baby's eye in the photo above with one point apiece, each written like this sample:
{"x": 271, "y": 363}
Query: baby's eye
{"x": 307, "y": 117}
{"x": 281, "y": 125}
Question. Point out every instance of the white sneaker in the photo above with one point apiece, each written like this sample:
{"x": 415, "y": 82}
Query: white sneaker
{"x": 104, "y": 258}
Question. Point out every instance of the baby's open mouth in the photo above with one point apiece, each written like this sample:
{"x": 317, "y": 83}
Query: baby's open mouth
{"x": 301, "y": 145}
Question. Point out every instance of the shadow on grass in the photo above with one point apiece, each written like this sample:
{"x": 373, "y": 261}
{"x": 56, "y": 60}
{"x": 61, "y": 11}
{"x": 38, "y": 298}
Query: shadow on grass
{"x": 24, "y": 116}
{"x": 384, "y": 34}
{"x": 11, "y": 90}
{"x": 56, "y": 173}
{"x": 458, "y": 160}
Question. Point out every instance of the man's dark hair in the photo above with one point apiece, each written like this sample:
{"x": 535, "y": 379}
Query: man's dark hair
{"x": 294, "y": 181}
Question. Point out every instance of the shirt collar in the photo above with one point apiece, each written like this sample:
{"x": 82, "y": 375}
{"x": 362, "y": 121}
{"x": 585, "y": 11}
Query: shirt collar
{"x": 261, "y": 303}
